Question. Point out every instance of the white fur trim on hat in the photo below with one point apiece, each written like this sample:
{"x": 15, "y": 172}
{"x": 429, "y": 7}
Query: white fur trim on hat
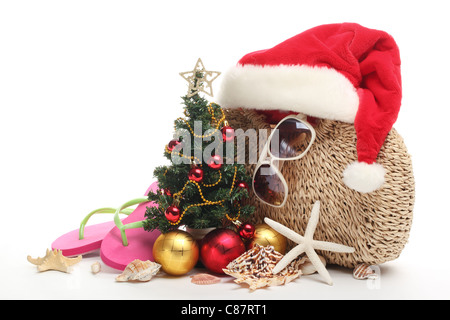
{"x": 316, "y": 91}
{"x": 364, "y": 177}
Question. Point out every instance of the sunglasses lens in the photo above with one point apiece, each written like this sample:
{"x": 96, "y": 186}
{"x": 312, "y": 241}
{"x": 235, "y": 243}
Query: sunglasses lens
{"x": 291, "y": 139}
{"x": 268, "y": 185}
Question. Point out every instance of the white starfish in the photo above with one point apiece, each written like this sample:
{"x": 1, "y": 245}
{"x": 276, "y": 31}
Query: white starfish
{"x": 307, "y": 244}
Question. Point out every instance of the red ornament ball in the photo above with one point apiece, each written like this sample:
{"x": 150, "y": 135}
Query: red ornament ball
{"x": 243, "y": 185}
{"x": 172, "y": 144}
{"x": 173, "y": 213}
{"x": 220, "y": 247}
{"x": 196, "y": 174}
{"x": 247, "y": 231}
{"x": 215, "y": 162}
{"x": 227, "y": 133}
{"x": 166, "y": 192}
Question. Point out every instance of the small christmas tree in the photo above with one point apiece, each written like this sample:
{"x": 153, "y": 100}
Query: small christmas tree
{"x": 195, "y": 191}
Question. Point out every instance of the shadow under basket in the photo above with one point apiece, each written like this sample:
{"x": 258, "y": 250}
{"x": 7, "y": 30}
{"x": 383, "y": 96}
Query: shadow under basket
{"x": 376, "y": 224}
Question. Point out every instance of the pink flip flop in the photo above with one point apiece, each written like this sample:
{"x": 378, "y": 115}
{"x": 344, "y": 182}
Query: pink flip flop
{"x": 87, "y": 239}
{"x": 128, "y": 240}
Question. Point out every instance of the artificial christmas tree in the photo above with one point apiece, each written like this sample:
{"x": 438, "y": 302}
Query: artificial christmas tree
{"x": 203, "y": 187}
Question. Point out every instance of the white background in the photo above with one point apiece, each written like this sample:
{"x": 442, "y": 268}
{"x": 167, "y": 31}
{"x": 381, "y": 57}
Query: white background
{"x": 89, "y": 91}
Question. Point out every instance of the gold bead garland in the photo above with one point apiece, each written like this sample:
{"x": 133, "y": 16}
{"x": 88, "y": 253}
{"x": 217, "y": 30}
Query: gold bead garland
{"x": 206, "y": 202}
{"x": 215, "y": 183}
{"x": 197, "y": 161}
{"x": 234, "y": 179}
{"x": 211, "y": 112}
{"x": 231, "y": 190}
{"x": 194, "y": 159}
{"x": 235, "y": 218}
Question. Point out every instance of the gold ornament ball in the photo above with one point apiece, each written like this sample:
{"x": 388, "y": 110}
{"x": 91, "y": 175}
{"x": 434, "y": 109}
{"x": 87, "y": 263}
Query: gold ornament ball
{"x": 176, "y": 251}
{"x": 266, "y": 236}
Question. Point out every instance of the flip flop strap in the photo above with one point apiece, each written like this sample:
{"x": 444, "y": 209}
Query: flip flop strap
{"x": 97, "y": 211}
{"x": 133, "y": 225}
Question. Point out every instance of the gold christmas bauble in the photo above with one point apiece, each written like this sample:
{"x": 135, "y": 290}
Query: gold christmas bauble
{"x": 176, "y": 251}
{"x": 266, "y": 236}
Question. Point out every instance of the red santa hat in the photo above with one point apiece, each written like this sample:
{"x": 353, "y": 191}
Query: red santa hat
{"x": 342, "y": 72}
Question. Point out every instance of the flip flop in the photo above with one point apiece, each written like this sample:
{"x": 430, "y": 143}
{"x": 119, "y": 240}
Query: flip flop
{"x": 128, "y": 240}
{"x": 87, "y": 239}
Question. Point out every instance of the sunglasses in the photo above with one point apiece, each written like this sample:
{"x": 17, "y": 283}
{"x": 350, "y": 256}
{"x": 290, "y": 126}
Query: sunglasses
{"x": 290, "y": 140}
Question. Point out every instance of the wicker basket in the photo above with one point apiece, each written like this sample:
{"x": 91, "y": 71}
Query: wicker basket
{"x": 377, "y": 224}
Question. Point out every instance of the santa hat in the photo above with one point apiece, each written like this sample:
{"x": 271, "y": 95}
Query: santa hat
{"x": 342, "y": 72}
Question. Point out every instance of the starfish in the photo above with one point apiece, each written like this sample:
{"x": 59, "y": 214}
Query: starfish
{"x": 200, "y": 84}
{"x": 307, "y": 244}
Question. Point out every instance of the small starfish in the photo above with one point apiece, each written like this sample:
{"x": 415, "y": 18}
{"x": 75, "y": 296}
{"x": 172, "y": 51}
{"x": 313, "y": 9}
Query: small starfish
{"x": 307, "y": 244}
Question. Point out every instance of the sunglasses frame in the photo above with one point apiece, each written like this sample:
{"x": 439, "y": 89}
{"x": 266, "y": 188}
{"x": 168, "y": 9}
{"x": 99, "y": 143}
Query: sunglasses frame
{"x": 266, "y": 157}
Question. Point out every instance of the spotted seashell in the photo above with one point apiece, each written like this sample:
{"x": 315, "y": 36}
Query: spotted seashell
{"x": 363, "y": 271}
{"x": 204, "y": 278}
{"x": 139, "y": 270}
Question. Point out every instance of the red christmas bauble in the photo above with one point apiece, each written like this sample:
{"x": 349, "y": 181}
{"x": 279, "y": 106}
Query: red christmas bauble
{"x": 172, "y": 144}
{"x": 243, "y": 185}
{"x": 227, "y": 133}
{"x": 220, "y": 247}
{"x": 196, "y": 174}
{"x": 215, "y": 162}
{"x": 173, "y": 213}
{"x": 167, "y": 192}
{"x": 247, "y": 231}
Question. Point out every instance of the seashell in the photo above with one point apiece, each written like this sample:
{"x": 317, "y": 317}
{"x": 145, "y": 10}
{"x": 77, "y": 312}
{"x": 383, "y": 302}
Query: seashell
{"x": 204, "y": 278}
{"x": 96, "y": 267}
{"x": 54, "y": 260}
{"x": 363, "y": 271}
{"x": 138, "y": 270}
{"x": 255, "y": 267}
{"x": 308, "y": 268}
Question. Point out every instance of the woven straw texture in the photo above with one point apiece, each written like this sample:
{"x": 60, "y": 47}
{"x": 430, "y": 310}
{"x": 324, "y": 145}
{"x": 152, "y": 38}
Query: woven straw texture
{"x": 377, "y": 224}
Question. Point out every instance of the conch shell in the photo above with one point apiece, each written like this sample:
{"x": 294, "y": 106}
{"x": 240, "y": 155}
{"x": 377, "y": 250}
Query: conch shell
{"x": 138, "y": 270}
{"x": 54, "y": 260}
{"x": 255, "y": 266}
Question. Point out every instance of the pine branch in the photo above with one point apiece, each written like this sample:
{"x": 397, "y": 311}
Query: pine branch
{"x": 218, "y": 186}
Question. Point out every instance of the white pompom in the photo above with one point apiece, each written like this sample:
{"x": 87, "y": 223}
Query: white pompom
{"x": 364, "y": 177}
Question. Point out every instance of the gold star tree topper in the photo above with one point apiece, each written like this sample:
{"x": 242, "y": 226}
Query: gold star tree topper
{"x": 199, "y": 79}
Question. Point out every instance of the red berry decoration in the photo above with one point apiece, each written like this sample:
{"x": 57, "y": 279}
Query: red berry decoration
{"x": 227, "y": 133}
{"x": 215, "y": 162}
{"x": 196, "y": 174}
{"x": 220, "y": 247}
{"x": 247, "y": 231}
{"x": 167, "y": 192}
{"x": 172, "y": 144}
{"x": 173, "y": 213}
{"x": 243, "y": 185}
